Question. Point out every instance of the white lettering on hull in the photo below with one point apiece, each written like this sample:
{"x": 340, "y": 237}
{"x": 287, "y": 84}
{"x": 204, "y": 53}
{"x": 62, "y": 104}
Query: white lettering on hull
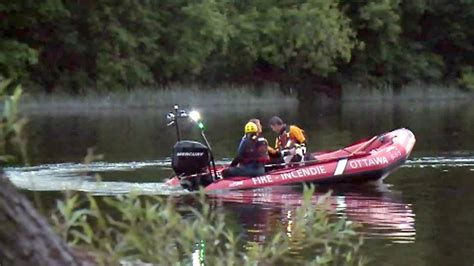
{"x": 300, "y": 173}
{"x": 317, "y": 170}
{"x": 236, "y": 184}
{"x": 266, "y": 179}
{"x": 368, "y": 162}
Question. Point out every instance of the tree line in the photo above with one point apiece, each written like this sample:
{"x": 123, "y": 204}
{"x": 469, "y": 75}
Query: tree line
{"x": 82, "y": 45}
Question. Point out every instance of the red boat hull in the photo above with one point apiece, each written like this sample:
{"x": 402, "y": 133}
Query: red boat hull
{"x": 362, "y": 161}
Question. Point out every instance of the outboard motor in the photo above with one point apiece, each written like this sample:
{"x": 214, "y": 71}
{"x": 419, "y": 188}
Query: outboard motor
{"x": 191, "y": 163}
{"x": 190, "y": 158}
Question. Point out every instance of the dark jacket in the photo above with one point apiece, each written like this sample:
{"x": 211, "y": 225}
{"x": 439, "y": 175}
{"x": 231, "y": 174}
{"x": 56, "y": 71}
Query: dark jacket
{"x": 252, "y": 149}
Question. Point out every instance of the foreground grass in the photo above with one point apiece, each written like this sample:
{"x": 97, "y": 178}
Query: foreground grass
{"x": 156, "y": 230}
{"x": 12, "y": 124}
{"x": 161, "y": 97}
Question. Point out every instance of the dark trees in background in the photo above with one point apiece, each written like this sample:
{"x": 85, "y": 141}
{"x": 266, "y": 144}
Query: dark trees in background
{"x": 100, "y": 45}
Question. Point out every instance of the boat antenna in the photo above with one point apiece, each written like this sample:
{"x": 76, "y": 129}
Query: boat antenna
{"x": 176, "y": 122}
{"x": 196, "y": 117}
{"x": 172, "y": 119}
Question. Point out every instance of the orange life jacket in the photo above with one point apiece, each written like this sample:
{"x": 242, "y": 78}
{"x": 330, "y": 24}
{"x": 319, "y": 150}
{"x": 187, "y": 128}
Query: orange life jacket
{"x": 287, "y": 140}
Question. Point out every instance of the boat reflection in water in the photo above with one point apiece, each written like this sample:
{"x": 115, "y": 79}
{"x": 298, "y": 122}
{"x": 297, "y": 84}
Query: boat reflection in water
{"x": 379, "y": 209}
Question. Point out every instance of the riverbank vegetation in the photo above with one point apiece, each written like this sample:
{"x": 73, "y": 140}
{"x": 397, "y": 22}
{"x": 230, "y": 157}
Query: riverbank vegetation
{"x": 76, "y": 47}
{"x": 162, "y": 231}
{"x": 187, "y": 96}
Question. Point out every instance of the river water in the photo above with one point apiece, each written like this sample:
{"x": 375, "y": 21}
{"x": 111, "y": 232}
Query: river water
{"x": 419, "y": 215}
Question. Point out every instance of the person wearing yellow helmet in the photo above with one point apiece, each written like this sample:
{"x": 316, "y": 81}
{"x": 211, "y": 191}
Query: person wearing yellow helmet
{"x": 259, "y": 125}
{"x": 251, "y": 128}
{"x": 252, "y": 154}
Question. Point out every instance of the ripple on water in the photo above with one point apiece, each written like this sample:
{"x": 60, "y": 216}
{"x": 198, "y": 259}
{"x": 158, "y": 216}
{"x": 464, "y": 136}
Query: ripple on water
{"x": 79, "y": 177}
{"x": 76, "y": 176}
{"x": 440, "y": 162}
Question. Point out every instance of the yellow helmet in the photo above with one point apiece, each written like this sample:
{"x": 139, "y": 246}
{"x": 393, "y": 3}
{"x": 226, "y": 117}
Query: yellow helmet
{"x": 250, "y": 127}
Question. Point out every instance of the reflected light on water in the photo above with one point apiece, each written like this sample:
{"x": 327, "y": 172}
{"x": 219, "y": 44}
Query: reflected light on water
{"x": 388, "y": 219}
{"x": 380, "y": 211}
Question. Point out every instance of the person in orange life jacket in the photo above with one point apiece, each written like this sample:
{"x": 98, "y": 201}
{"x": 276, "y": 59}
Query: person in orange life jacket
{"x": 290, "y": 145}
{"x": 251, "y": 156}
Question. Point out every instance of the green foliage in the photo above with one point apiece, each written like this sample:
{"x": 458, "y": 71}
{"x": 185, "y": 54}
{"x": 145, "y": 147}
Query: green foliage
{"x": 407, "y": 41}
{"x": 15, "y": 57}
{"x": 382, "y": 17}
{"x": 127, "y": 44}
{"x": 378, "y": 27}
{"x": 125, "y": 37}
{"x": 157, "y": 230}
{"x": 467, "y": 78}
{"x": 11, "y": 124}
{"x": 192, "y": 31}
{"x": 294, "y": 35}
{"x": 449, "y": 34}
{"x": 24, "y": 29}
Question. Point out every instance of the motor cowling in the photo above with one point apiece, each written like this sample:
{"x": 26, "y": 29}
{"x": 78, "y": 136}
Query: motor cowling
{"x": 189, "y": 157}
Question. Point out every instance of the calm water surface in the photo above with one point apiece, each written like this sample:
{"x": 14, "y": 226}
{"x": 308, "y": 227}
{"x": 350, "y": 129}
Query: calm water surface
{"x": 420, "y": 215}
